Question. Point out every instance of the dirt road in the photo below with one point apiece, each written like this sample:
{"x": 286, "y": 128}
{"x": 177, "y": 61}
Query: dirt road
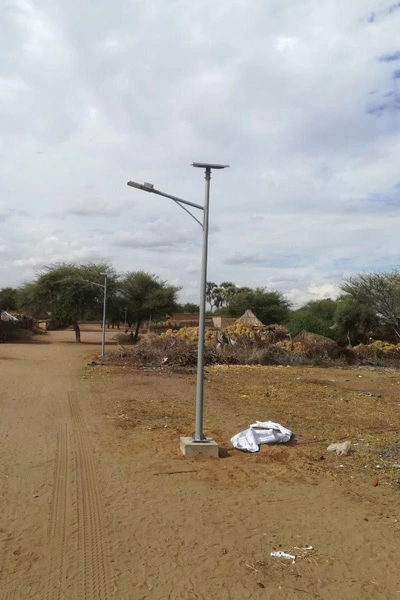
{"x": 97, "y": 503}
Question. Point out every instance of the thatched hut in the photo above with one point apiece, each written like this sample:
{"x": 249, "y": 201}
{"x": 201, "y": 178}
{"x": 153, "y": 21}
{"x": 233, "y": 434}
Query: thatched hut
{"x": 249, "y": 319}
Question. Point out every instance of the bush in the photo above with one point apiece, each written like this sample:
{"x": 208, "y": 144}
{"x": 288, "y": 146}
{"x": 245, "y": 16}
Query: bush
{"x": 173, "y": 352}
{"x": 176, "y": 352}
{"x": 304, "y": 320}
{"x": 274, "y": 355}
{"x": 11, "y": 332}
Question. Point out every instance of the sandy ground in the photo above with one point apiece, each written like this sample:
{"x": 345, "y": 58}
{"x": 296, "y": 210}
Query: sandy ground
{"x": 97, "y": 502}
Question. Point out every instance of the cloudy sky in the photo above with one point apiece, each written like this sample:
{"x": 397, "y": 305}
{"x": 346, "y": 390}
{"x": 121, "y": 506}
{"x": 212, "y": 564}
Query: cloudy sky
{"x": 301, "y": 98}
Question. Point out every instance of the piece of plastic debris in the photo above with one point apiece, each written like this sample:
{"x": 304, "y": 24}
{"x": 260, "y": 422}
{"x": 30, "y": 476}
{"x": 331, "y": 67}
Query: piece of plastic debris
{"x": 286, "y": 555}
{"x": 303, "y": 547}
{"x": 341, "y": 448}
{"x": 261, "y": 432}
{"x": 340, "y": 466}
{"x": 396, "y": 466}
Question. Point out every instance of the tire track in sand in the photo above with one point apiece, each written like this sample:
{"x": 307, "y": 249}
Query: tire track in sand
{"x": 95, "y": 576}
{"x": 60, "y": 518}
{"x": 9, "y": 596}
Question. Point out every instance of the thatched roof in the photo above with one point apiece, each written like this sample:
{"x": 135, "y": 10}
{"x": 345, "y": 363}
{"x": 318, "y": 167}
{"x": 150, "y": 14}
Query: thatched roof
{"x": 250, "y": 319}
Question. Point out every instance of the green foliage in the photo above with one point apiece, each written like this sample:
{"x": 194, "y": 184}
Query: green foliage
{"x": 317, "y": 316}
{"x": 219, "y": 296}
{"x": 188, "y": 307}
{"x": 8, "y": 298}
{"x": 213, "y": 295}
{"x": 147, "y": 296}
{"x": 378, "y": 291}
{"x": 323, "y": 309}
{"x": 355, "y": 322}
{"x": 29, "y": 301}
{"x": 69, "y": 292}
{"x": 303, "y": 320}
{"x": 269, "y": 307}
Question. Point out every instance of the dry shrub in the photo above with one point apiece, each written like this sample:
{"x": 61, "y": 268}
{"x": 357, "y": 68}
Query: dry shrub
{"x": 155, "y": 351}
{"x": 374, "y": 355}
{"x": 175, "y": 352}
{"x": 314, "y": 340}
{"x": 342, "y": 355}
{"x": 273, "y": 355}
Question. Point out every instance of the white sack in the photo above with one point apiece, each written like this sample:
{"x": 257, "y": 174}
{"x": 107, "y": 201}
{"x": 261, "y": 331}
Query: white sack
{"x": 261, "y": 432}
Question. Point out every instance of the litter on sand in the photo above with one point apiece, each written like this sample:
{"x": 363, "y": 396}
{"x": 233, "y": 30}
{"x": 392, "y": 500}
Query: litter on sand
{"x": 341, "y": 448}
{"x": 286, "y": 555}
{"x": 260, "y": 432}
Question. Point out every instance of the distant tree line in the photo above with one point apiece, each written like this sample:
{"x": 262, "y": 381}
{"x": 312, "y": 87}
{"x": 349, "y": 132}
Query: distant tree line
{"x": 369, "y": 307}
{"x": 70, "y": 293}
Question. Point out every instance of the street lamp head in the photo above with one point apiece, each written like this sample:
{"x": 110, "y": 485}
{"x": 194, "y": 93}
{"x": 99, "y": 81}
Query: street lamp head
{"x": 209, "y": 165}
{"x": 147, "y": 187}
{"x": 105, "y": 274}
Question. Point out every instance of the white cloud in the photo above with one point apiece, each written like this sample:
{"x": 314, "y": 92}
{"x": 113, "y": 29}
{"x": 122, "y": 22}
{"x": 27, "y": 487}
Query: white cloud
{"x": 285, "y": 43}
{"x": 301, "y": 98}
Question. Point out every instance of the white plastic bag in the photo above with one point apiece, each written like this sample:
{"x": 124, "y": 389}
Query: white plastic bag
{"x": 260, "y": 432}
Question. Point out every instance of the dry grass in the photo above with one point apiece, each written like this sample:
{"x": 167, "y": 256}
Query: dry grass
{"x": 172, "y": 352}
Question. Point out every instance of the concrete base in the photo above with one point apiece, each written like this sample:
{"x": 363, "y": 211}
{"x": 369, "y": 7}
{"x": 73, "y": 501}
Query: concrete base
{"x": 190, "y": 448}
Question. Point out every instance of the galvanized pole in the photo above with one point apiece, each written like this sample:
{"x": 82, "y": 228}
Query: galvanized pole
{"x": 198, "y": 434}
{"x": 103, "y": 340}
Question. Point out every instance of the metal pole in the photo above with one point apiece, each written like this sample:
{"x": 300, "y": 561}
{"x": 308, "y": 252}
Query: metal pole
{"x": 198, "y": 434}
{"x": 126, "y": 312}
{"x": 103, "y": 340}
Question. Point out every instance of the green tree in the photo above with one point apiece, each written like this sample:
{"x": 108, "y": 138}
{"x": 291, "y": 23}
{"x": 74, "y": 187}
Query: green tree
{"x": 28, "y": 301}
{"x": 269, "y": 307}
{"x": 214, "y": 295}
{"x": 317, "y": 316}
{"x": 147, "y": 296}
{"x": 380, "y": 292}
{"x": 355, "y": 322}
{"x": 219, "y": 296}
{"x": 116, "y": 306}
{"x": 8, "y": 298}
{"x": 188, "y": 307}
{"x": 227, "y": 290}
{"x": 68, "y": 292}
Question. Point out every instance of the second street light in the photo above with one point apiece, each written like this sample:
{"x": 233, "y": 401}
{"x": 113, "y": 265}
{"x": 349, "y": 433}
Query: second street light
{"x": 104, "y": 288}
{"x": 198, "y": 443}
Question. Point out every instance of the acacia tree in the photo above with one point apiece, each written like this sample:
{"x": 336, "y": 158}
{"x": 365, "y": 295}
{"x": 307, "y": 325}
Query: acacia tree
{"x": 68, "y": 292}
{"x": 8, "y": 298}
{"x": 380, "y": 292}
{"x": 355, "y": 322}
{"x": 146, "y": 296}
